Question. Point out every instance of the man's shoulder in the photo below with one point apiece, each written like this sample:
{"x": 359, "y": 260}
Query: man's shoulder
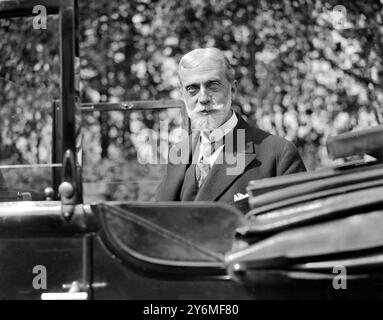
{"x": 270, "y": 148}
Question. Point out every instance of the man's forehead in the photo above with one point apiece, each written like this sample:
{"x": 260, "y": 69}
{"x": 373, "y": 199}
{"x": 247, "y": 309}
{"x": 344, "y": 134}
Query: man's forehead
{"x": 208, "y": 68}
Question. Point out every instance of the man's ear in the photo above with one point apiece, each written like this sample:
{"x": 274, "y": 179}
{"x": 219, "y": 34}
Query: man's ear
{"x": 234, "y": 88}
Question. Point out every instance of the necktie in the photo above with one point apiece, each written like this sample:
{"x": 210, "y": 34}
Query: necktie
{"x": 203, "y": 166}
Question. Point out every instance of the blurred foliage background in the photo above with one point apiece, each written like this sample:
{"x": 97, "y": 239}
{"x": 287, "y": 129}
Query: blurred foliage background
{"x": 307, "y": 69}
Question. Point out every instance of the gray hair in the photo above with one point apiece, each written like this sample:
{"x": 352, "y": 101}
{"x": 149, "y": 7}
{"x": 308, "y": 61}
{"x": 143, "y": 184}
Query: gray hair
{"x": 195, "y": 57}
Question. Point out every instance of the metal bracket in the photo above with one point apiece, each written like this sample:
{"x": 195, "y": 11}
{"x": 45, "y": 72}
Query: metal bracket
{"x": 68, "y": 188}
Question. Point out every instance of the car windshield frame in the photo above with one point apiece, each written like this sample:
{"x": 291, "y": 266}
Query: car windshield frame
{"x": 65, "y": 125}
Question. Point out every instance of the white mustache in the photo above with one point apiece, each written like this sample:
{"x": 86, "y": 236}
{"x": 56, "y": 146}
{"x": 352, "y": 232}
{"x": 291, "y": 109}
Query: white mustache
{"x": 211, "y": 109}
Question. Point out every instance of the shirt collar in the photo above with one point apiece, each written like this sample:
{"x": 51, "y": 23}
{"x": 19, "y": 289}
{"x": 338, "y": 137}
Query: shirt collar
{"x": 218, "y": 133}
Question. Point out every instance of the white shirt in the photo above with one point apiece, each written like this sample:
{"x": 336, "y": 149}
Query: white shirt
{"x": 217, "y": 136}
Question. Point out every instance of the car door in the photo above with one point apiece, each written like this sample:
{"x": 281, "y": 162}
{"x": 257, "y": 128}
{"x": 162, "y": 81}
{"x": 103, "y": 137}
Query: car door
{"x": 44, "y": 254}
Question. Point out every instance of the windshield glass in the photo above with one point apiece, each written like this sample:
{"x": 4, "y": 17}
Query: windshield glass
{"x": 29, "y": 83}
{"x": 125, "y": 153}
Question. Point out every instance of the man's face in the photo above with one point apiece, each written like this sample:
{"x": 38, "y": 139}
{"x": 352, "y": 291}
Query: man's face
{"x": 207, "y": 94}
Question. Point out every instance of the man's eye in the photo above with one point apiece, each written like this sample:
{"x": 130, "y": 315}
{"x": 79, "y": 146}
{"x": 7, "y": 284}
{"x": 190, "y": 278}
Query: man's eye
{"x": 192, "y": 90}
{"x": 214, "y": 86}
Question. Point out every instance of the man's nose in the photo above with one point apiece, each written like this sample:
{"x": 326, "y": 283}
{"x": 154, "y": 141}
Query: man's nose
{"x": 204, "y": 97}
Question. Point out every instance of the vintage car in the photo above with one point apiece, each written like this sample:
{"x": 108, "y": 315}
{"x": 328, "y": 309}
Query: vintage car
{"x": 307, "y": 235}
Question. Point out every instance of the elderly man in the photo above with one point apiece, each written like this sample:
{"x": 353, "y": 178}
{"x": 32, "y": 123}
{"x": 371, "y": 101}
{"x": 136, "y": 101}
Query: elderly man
{"x": 219, "y": 134}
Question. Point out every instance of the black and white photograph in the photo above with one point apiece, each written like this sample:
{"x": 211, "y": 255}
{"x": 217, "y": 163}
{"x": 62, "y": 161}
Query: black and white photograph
{"x": 186, "y": 150}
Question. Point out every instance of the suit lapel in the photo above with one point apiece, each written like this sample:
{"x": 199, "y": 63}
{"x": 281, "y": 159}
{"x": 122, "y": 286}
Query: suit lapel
{"x": 176, "y": 172}
{"x": 219, "y": 177}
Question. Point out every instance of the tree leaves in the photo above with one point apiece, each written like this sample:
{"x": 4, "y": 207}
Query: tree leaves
{"x": 299, "y": 75}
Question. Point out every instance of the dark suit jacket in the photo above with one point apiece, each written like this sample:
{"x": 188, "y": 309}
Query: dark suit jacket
{"x": 264, "y": 154}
